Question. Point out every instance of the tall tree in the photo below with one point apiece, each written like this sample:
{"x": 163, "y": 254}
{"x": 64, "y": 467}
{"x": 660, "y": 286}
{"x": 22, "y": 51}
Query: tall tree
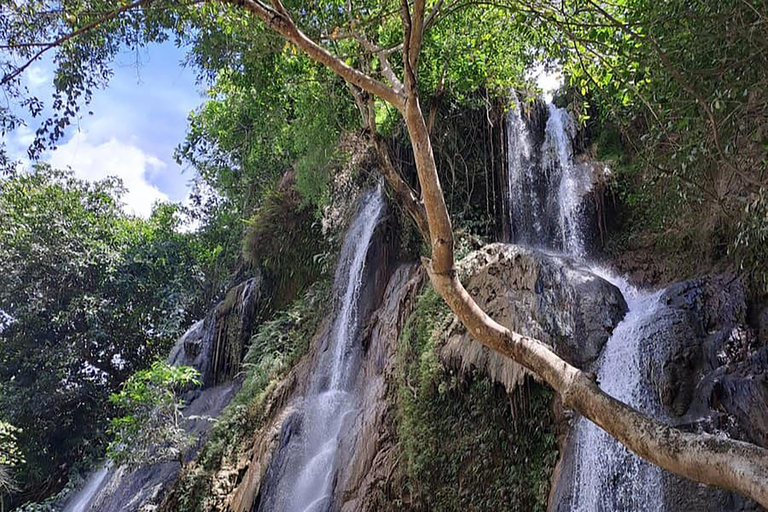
{"x": 88, "y": 295}
{"x": 358, "y": 43}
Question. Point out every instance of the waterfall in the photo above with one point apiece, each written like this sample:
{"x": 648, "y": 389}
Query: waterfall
{"x": 537, "y": 173}
{"x": 524, "y": 209}
{"x": 570, "y": 181}
{"x": 607, "y": 476}
{"x": 84, "y": 497}
{"x": 546, "y": 196}
{"x": 302, "y": 475}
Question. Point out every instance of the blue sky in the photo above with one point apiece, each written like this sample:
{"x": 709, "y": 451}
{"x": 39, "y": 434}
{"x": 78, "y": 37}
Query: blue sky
{"x": 136, "y": 124}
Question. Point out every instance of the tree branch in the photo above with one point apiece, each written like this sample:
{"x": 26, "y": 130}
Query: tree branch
{"x": 417, "y": 32}
{"x": 278, "y": 20}
{"x": 63, "y": 39}
{"x": 407, "y": 196}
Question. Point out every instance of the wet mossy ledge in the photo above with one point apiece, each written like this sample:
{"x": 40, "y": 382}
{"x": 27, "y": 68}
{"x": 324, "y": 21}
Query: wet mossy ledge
{"x": 464, "y": 443}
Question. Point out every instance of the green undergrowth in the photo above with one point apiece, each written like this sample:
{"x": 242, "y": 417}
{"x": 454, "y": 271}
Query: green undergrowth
{"x": 275, "y": 348}
{"x": 461, "y": 445}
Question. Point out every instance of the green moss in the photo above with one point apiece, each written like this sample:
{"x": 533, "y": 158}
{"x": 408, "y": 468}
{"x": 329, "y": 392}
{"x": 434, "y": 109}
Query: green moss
{"x": 461, "y": 447}
{"x": 284, "y": 238}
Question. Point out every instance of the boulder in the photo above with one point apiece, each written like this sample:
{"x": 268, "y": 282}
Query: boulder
{"x": 548, "y": 297}
{"x": 693, "y": 332}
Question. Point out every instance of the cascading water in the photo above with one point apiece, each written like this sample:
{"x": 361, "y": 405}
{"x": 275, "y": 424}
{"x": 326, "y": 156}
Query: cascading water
{"x": 571, "y": 183}
{"x": 83, "y": 499}
{"x": 607, "y": 477}
{"x": 525, "y": 222}
{"x": 538, "y": 173}
{"x": 309, "y": 459}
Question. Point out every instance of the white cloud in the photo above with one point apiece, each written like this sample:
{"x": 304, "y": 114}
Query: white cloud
{"x": 24, "y": 136}
{"x": 133, "y": 166}
{"x": 37, "y": 77}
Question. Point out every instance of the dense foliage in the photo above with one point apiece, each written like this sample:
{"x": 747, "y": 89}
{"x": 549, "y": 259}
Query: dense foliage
{"x": 10, "y": 458}
{"x": 88, "y": 295}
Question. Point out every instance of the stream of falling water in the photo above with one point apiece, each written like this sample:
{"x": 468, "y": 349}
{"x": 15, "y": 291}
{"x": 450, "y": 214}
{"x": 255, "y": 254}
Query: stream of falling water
{"x": 306, "y": 481}
{"x": 83, "y": 498}
{"x": 607, "y": 477}
{"x": 537, "y": 174}
{"x": 524, "y": 210}
{"x": 570, "y": 182}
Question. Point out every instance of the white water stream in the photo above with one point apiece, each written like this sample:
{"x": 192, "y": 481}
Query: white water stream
{"x": 545, "y": 189}
{"x": 306, "y": 482}
{"x": 607, "y": 477}
{"x": 571, "y": 182}
{"x": 82, "y": 500}
{"x": 524, "y": 210}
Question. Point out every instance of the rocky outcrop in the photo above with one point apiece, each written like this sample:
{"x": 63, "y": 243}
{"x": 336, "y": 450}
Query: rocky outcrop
{"x": 706, "y": 364}
{"x": 141, "y": 489}
{"x": 548, "y": 297}
{"x": 690, "y": 336}
{"x": 740, "y": 392}
{"x": 215, "y": 347}
{"x": 710, "y": 376}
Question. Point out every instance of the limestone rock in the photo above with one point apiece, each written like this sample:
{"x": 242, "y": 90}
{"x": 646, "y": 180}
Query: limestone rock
{"x": 548, "y": 297}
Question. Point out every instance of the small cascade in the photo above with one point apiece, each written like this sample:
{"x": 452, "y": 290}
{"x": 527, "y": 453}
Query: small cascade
{"x": 540, "y": 167}
{"x": 83, "y": 499}
{"x": 302, "y": 475}
{"x": 524, "y": 210}
{"x": 606, "y": 475}
{"x": 569, "y": 180}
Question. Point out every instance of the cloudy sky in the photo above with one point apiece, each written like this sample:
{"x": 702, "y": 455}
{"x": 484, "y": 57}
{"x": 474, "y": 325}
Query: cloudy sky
{"x": 136, "y": 124}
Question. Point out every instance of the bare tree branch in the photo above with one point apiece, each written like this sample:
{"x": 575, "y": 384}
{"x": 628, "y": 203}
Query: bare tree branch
{"x": 417, "y": 32}
{"x": 278, "y": 20}
{"x": 405, "y": 194}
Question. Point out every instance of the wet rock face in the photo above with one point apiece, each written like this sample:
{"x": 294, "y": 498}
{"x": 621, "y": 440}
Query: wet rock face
{"x": 370, "y": 454}
{"x": 550, "y": 298}
{"x": 741, "y": 391}
{"x": 216, "y": 345}
{"x": 762, "y": 325}
{"x": 141, "y": 489}
{"x": 700, "y": 328}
